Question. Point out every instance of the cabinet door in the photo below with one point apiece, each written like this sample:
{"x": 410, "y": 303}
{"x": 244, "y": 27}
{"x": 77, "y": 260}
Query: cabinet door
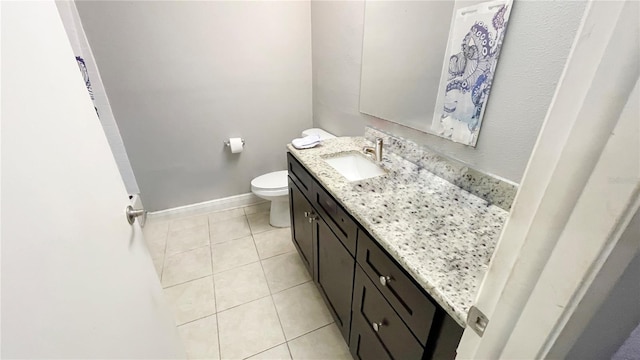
{"x": 363, "y": 344}
{"x": 334, "y": 270}
{"x": 301, "y": 227}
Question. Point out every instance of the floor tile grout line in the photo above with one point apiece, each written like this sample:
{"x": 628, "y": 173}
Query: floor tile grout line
{"x": 188, "y": 281}
{"x": 289, "y": 349}
{"x": 228, "y": 240}
{"x": 274, "y": 306}
{"x": 164, "y": 254}
{"x": 286, "y": 341}
{"x": 271, "y": 295}
{"x": 227, "y": 219}
{"x": 264, "y": 351}
{"x": 184, "y": 282}
{"x": 291, "y": 287}
{"x": 309, "y": 332}
{"x": 244, "y": 303}
{"x": 252, "y": 262}
{"x": 200, "y": 318}
{"x": 213, "y": 281}
{"x": 184, "y": 251}
{"x": 261, "y": 297}
{"x": 236, "y": 267}
{"x": 236, "y": 238}
{"x": 272, "y": 256}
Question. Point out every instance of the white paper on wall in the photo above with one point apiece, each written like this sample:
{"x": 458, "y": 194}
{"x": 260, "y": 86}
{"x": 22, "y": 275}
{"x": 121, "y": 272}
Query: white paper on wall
{"x": 470, "y": 61}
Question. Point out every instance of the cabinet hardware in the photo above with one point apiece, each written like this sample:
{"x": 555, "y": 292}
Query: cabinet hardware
{"x": 377, "y": 325}
{"x": 306, "y": 214}
{"x": 384, "y": 280}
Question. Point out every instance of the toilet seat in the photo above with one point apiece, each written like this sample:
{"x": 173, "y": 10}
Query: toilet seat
{"x": 271, "y": 184}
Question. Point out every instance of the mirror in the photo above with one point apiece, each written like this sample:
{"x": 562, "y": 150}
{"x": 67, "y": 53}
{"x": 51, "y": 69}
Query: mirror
{"x": 402, "y": 58}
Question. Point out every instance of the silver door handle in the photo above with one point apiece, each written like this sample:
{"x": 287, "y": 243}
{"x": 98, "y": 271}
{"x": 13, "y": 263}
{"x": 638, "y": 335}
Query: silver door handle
{"x": 384, "y": 280}
{"x": 132, "y": 214}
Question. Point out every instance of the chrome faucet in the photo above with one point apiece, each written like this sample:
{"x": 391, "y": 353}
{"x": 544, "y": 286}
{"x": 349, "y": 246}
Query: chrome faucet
{"x": 376, "y": 152}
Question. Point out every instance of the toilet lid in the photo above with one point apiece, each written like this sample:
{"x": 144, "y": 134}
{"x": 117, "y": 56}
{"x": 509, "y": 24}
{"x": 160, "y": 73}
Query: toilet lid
{"x": 271, "y": 181}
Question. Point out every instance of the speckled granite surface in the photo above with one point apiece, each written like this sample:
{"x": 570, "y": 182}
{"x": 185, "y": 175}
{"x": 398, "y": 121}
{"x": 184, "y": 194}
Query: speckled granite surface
{"x": 499, "y": 192}
{"x": 441, "y": 234}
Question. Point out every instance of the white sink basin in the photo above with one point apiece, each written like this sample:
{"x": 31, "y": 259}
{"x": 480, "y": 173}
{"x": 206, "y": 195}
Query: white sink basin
{"x": 355, "y": 166}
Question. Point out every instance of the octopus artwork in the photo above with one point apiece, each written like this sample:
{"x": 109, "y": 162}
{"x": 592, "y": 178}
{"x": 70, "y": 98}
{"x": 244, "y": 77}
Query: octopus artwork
{"x": 85, "y": 76}
{"x": 469, "y": 75}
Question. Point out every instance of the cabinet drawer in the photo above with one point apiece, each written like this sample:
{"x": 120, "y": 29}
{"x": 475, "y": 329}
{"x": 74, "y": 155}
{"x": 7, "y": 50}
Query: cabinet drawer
{"x": 300, "y": 175}
{"x": 401, "y": 292}
{"x": 370, "y": 307}
{"x": 336, "y": 218}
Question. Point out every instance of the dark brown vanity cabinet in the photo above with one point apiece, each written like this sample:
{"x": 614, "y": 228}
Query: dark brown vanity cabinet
{"x": 392, "y": 313}
{"x": 381, "y": 312}
{"x": 320, "y": 246}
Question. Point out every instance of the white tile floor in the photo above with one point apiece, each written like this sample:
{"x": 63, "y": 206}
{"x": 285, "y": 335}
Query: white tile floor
{"x": 239, "y": 289}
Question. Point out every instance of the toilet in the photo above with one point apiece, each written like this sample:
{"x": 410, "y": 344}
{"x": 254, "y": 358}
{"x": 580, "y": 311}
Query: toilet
{"x": 274, "y": 187}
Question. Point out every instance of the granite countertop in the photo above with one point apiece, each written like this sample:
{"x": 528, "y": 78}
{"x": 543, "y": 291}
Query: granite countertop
{"x": 439, "y": 233}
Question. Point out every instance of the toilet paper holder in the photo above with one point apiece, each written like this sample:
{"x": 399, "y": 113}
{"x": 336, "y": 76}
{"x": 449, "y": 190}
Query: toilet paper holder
{"x": 227, "y": 144}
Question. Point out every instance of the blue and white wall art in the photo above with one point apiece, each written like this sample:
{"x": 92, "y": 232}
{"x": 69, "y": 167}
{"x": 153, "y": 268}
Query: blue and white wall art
{"x": 470, "y": 62}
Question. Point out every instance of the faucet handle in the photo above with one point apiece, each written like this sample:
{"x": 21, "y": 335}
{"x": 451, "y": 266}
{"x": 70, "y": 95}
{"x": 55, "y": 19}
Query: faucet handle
{"x": 368, "y": 150}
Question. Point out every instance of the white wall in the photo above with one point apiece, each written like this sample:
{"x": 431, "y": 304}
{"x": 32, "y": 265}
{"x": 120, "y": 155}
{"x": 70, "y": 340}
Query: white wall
{"x": 536, "y": 46}
{"x": 184, "y": 76}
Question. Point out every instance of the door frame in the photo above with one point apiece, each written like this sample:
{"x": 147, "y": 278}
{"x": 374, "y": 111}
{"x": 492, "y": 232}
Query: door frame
{"x": 587, "y": 123}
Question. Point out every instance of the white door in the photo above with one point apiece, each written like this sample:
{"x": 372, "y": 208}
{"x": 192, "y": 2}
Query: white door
{"x": 579, "y": 191}
{"x": 77, "y": 280}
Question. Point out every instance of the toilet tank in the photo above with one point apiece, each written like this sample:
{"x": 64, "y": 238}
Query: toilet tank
{"x": 317, "y": 131}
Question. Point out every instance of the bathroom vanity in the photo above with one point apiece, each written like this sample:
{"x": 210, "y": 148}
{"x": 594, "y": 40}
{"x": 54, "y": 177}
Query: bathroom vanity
{"x": 397, "y": 257}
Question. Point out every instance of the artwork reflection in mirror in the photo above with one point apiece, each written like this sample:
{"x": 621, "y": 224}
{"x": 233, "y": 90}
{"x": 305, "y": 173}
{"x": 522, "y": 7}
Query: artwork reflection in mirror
{"x": 428, "y": 68}
{"x": 470, "y": 62}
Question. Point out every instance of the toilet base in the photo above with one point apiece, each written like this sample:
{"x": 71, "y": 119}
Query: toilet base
{"x": 279, "y": 214}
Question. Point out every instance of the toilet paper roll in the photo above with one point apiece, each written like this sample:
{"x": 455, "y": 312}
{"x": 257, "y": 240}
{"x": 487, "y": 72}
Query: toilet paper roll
{"x": 236, "y": 145}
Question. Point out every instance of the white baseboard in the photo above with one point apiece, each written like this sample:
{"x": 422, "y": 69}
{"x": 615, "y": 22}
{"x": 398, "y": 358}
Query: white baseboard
{"x": 230, "y": 202}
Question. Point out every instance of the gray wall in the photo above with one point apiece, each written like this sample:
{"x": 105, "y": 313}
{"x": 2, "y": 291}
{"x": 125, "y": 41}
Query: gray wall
{"x": 183, "y": 76}
{"x": 536, "y": 47}
{"x": 616, "y": 318}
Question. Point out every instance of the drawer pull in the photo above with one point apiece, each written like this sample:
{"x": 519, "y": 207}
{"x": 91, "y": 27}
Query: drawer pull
{"x": 306, "y": 214}
{"x": 385, "y": 279}
{"x": 377, "y": 325}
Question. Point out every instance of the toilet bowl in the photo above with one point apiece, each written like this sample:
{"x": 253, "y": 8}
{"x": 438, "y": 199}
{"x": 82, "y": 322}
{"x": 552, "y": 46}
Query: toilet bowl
{"x": 274, "y": 187}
